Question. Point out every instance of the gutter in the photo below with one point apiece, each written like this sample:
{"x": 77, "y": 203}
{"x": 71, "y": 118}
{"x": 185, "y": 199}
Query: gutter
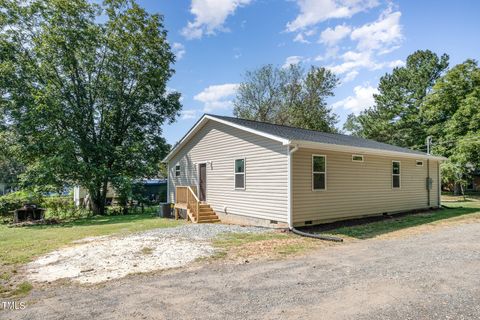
{"x": 290, "y": 153}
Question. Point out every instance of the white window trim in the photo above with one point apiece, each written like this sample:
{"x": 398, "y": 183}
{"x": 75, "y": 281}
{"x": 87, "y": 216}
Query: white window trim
{"x": 399, "y": 175}
{"x": 244, "y": 173}
{"x": 313, "y": 172}
{"x": 418, "y": 165}
{"x": 179, "y": 170}
{"x": 358, "y": 155}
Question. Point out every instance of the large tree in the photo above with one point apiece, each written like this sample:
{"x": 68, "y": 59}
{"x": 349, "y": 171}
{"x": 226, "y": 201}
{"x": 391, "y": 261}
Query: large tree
{"x": 83, "y": 86}
{"x": 288, "y": 96}
{"x": 395, "y": 117}
{"x": 452, "y": 116}
{"x": 10, "y": 167}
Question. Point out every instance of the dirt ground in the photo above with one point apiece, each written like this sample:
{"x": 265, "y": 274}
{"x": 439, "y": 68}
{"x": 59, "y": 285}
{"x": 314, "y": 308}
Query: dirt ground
{"x": 434, "y": 274}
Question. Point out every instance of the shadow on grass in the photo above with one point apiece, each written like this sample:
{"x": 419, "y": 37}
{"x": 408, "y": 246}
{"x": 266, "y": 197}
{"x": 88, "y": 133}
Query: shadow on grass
{"x": 366, "y": 228}
{"x": 96, "y": 221}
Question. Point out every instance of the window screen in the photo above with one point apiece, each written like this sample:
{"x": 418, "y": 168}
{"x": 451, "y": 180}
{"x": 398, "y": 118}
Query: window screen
{"x": 396, "y": 174}
{"x": 177, "y": 170}
{"x": 240, "y": 174}
{"x": 319, "y": 172}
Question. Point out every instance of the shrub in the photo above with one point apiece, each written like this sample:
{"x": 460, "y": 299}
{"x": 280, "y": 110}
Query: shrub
{"x": 60, "y": 207}
{"x": 16, "y": 200}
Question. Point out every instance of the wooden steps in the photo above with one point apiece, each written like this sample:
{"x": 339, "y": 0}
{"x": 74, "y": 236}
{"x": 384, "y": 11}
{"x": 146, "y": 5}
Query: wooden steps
{"x": 197, "y": 211}
{"x": 206, "y": 214}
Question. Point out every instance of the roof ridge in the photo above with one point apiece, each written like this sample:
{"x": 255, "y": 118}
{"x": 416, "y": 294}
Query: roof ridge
{"x": 299, "y": 128}
{"x": 332, "y": 135}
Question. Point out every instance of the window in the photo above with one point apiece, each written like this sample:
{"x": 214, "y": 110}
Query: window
{"x": 319, "y": 172}
{"x": 395, "y": 174}
{"x": 419, "y": 163}
{"x": 357, "y": 158}
{"x": 240, "y": 174}
{"x": 177, "y": 170}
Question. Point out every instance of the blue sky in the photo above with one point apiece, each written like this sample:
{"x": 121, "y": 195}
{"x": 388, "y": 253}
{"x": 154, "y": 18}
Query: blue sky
{"x": 216, "y": 41}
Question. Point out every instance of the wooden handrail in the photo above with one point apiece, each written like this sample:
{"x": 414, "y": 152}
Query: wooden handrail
{"x": 186, "y": 195}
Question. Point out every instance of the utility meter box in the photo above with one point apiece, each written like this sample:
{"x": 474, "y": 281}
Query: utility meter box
{"x": 429, "y": 183}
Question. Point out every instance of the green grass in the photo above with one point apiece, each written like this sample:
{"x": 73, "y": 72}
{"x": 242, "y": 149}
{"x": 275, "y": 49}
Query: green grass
{"x": 229, "y": 240}
{"x": 22, "y": 289}
{"x": 21, "y": 245}
{"x": 292, "y": 244}
{"x": 460, "y": 209}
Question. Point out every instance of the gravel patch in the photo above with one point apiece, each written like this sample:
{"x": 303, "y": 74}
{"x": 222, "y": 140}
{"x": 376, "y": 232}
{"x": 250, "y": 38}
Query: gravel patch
{"x": 203, "y": 231}
{"x": 99, "y": 259}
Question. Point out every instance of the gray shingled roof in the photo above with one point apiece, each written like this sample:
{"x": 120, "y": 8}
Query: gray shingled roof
{"x": 292, "y": 133}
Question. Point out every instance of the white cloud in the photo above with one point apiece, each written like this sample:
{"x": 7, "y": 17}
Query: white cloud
{"x": 352, "y": 61}
{"x": 350, "y": 76}
{"x": 331, "y": 36}
{"x": 217, "y": 97}
{"x": 331, "y": 52}
{"x": 210, "y": 15}
{"x": 179, "y": 50}
{"x": 381, "y": 34}
{"x": 362, "y": 99}
{"x": 292, "y": 60}
{"x": 189, "y": 114}
{"x": 315, "y": 11}
{"x": 300, "y": 38}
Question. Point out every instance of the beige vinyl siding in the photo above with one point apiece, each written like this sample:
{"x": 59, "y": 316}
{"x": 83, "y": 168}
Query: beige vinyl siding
{"x": 266, "y": 172}
{"x": 358, "y": 188}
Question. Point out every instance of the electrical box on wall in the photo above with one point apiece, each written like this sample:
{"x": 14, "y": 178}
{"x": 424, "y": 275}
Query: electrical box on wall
{"x": 429, "y": 183}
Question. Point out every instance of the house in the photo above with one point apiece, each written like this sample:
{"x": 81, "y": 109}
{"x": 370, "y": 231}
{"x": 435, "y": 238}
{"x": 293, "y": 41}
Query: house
{"x": 473, "y": 184}
{"x": 152, "y": 189}
{"x": 251, "y": 172}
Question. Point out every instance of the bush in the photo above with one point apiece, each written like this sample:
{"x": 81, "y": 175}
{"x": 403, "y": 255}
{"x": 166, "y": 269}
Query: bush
{"x": 17, "y": 200}
{"x": 60, "y": 207}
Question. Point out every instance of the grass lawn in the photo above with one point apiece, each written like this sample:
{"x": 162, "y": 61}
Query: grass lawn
{"x": 263, "y": 245}
{"x": 456, "y": 211}
{"x": 21, "y": 245}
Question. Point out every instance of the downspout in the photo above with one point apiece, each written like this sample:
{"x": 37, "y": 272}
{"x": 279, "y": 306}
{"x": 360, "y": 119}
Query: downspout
{"x": 439, "y": 184}
{"x": 429, "y": 186}
{"x": 169, "y": 199}
{"x": 289, "y": 184}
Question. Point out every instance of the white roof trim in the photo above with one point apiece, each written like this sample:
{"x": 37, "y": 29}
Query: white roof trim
{"x": 207, "y": 117}
{"x": 362, "y": 150}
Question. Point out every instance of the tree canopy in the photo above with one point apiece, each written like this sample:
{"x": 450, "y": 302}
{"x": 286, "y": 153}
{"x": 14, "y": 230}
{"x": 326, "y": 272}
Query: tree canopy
{"x": 83, "y": 87}
{"x": 425, "y": 98}
{"x": 452, "y": 117}
{"x": 288, "y": 96}
{"x": 395, "y": 116}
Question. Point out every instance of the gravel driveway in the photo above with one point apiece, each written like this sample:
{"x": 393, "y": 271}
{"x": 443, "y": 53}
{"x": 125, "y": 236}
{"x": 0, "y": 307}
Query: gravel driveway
{"x": 99, "y": 259}
{"x": 435, "y": 275}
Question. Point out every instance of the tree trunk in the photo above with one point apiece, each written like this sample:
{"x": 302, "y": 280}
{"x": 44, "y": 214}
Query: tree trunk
{"x": 98, "y": 198}
{"x": 97, "y": 204}
{"x": 457, "y": 189}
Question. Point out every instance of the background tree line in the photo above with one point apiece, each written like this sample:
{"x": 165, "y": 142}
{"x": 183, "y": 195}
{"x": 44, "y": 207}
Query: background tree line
{"x": 423, "y": 98}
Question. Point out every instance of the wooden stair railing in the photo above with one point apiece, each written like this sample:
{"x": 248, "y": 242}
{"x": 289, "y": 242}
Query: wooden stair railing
{"x": 187, "y": 198}
{"x": 197, "y": 211}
